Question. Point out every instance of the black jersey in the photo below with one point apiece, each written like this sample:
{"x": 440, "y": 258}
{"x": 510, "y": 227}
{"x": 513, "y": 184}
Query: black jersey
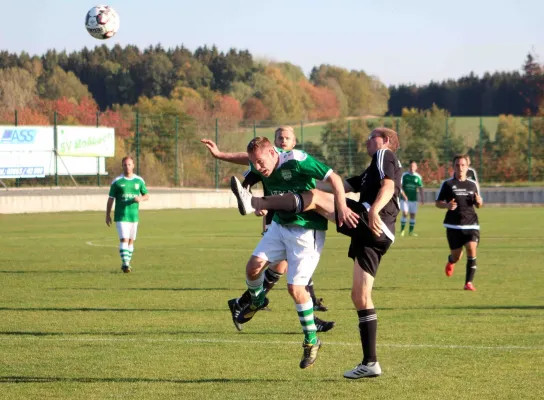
{"x": 384, "y": 165}
{"x": 464, "y": 216}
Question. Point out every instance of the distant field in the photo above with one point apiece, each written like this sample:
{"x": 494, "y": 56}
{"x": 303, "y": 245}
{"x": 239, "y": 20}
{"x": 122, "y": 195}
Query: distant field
{"x": 74, "y": 327}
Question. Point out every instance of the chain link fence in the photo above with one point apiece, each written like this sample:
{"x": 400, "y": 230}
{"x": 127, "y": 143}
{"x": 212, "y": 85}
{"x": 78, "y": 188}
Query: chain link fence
{"x": 168, "y": 152}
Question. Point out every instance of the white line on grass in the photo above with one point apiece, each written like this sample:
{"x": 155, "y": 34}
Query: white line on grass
{"x": 246, "y": 342}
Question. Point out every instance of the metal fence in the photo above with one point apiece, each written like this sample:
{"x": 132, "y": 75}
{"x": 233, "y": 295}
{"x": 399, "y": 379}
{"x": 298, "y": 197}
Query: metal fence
{"x": 168, "y": 152}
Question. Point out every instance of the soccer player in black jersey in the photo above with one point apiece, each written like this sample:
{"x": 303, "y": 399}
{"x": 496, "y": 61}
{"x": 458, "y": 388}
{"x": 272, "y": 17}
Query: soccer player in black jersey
{"x": 460, "y": 195}
{"x": 371, "y": 233}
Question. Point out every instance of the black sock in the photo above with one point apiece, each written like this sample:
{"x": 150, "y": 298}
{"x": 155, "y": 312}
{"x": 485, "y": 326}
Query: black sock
{"x": 270, "y": 279}
{"x": 368, "y": 326}
{"x": 450, "y": 260}
{"x": 471, "y": 269}
{"x": 310, "y": 289}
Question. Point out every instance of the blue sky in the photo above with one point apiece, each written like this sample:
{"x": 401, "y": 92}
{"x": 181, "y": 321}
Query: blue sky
{"x": 398, "y": 41}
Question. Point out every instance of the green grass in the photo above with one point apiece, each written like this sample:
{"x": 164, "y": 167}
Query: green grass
{"x": 74, "y": 327}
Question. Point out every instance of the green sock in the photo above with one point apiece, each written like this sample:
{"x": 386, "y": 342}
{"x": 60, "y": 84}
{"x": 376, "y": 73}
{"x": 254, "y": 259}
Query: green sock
{"x": 402, "y": 224}
{"x": 256, "y": 290}
{"x": 124, "y": 253}
{"x": 306, "y": 316}
{"x": 412, "y": 224}
{"x": 130, "y": 252}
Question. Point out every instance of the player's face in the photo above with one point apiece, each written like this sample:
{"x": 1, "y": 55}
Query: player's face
{"x": 285, "y": 140}
{"x": 264, "y": 160}
{"x": 374, "y": 143}
{"x": 413, "y": 167}
{"x": 128, "y": 166}
{"x": 461, "y": 168}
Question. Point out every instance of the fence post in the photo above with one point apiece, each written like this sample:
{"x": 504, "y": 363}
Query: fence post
{"x": 481, "y": 149}
{"x": 447, "y": 150}
{"x": 137, "y": 143}
{"x": 216, "y": 160}
{"x": 55, "y": 139}
{"x": 176, "y": 175}
{"x": 18, "y": 180}
{"x": 529, "y": 153}
{"x": 254, "y": 130}
{"x": 350, "y": 160}
{"x": 302, "y": 134}
{"x": 98, "y": 158}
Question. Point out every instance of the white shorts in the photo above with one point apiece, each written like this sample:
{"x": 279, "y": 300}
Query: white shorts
{"x": 301, "y": 248}
{"x": 127, "y": 230}
{"x": 408, "y": 206}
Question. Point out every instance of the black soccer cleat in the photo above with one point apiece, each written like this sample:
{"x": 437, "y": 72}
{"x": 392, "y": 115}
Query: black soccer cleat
{"x": 235, "y": 311}
{"x": 249, "y": 311}
{"x": 126, "y": 268}
{"x": 323, "y": 326}
{"x": 309, "y": 354}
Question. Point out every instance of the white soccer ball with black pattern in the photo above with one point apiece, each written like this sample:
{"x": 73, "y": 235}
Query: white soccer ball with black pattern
{"x": 102, "y": 22}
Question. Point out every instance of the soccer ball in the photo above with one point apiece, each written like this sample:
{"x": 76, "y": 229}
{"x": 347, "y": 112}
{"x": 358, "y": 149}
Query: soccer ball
{"x": 102, "y": 22}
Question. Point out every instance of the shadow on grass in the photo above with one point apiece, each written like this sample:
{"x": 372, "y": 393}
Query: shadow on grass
{"x": 53, "y": 379}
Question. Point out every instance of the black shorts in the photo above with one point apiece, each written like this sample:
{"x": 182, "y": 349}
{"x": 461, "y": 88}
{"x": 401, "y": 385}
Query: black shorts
{"x": 457, "y": 238}
{"x": 365, "y": 247}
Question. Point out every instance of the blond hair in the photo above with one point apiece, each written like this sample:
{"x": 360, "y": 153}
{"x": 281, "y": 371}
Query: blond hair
{"x": 284, "y": 128}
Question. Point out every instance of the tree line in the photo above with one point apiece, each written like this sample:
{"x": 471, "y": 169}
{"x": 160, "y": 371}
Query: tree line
{"x": 514, "y": 92}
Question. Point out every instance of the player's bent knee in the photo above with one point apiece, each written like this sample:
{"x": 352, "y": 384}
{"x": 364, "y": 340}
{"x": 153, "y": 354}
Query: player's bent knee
{"x": 254, "y": 266}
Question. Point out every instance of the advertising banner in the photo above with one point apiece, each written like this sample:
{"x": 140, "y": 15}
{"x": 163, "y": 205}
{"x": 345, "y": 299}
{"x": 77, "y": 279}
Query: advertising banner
{"x": 82, "y": 141}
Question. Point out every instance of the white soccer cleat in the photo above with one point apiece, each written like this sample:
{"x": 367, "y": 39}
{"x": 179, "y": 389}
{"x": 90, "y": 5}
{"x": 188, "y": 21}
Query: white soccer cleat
{"x": 370, "y": 370}
{"x": 242, "y": 196}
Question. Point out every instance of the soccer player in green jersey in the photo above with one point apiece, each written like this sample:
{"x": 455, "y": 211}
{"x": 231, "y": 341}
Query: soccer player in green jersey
{"x": 127, "y": 191}
{"x": 412, "y": 182}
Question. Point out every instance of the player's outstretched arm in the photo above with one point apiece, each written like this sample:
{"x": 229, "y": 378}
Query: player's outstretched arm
{"x": 235, "y": 158}
{"x": 384, "y": 196}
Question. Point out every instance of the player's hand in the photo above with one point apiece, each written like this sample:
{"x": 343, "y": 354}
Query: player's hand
{"x": 405, "y": 197}
{"x": 347, "y": 216}
{"x": 212, "y": 147}
{"x": 452, "y": 205}
{"x": 478, "y": 199}
{"x": 375, "y": 223}
{"x": 108, "y": 220}
{"x": 137, "y": 199}
{"x": 261, "y": 213}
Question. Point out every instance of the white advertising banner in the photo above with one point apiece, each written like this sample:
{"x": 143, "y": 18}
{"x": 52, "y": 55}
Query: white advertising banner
{"x": 83, "y": 141}
{"x": 29, "y": 151}
{"x": 26, "y": 151}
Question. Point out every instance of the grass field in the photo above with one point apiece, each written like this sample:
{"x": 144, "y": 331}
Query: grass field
{"x": 74, "y": 327}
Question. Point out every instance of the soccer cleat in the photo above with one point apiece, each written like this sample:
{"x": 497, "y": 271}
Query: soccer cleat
{"x": 126, "y": 268}
{"x": 402, "y": 232}
{"x": 469, "y": 286}
{"x": 249, "y": 311}
{"x": 370, "y": 370}
{"x": 235, "y": 311}
{"x": 323, "y": 326}
{"x": 309, "y": 354}
{"x": 449, "y": 268}
{"x": 243, "y": 197}
{"x": 413, "y": 234}
{"x": 319, "y": 306}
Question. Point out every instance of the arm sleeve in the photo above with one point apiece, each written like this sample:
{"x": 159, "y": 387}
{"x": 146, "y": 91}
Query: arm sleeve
{"x": 112, "y": 191}
{"x": 143, "y": 188}
{"x": 311, "y": 167}
{"x": 387, "y": 163}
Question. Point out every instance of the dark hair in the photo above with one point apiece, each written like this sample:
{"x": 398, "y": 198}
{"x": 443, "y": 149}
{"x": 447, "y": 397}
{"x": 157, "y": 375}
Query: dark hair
{"x": 460, "y": 156}
{"x": 258, "y": 143}
{"x": 412, "y": 161}
{"x": 391, "y": 135}
{"x": 126, "y": 158}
